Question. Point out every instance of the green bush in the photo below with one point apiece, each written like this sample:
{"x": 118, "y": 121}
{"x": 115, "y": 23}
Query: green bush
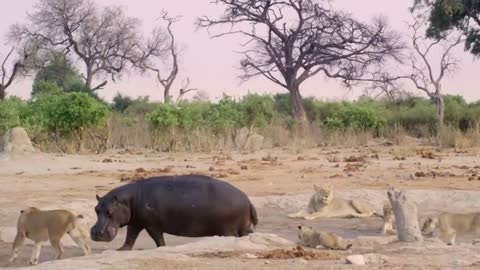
{"x": 67, "y": 113}
{"x": 258, "y": 110}
{"x": 225, "y": 116}
{"x": 187, "y": 116}
{"x": 41, "y": 87}
{"x": 12, "y": 113}
{"x": 414, "y": 119}
{"x": 357, "y": 116}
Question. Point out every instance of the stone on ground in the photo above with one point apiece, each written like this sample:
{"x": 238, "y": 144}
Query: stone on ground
{"x": 356, "y": 260}
{"x": 16, "y": 141}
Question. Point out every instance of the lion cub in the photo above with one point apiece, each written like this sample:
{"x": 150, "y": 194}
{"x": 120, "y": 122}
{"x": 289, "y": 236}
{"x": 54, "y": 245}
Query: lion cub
{"x": 388, "y": 219}
{"x": 310, "y": 238}
{"x": 324, "y": 204}
{"x": 51, "y": 225}
{"x": 452, "y": 223}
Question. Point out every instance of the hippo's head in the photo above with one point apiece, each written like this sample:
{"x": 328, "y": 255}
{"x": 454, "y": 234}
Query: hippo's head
{"x": 112, "y": 213}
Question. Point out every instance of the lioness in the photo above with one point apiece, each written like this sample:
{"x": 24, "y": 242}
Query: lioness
{"x": 310, "y": 238}
{"x": 452, "y": 223}
{"x": 41, "y": 226}
{"x": 388, "y": 219}
{"x": 324, "y": 204}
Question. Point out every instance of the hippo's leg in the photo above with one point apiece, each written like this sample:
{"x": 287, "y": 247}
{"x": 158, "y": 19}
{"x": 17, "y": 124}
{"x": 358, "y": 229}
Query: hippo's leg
{"x": 132, "y": 234}
{"x": 157, "y": 236}
{"x": 245, "y": 231}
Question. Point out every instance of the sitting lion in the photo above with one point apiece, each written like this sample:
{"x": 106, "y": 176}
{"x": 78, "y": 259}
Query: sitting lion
{"x": 450, "y": 224}
{"x": 309, "y": 237}
{"x": 388, "y": 219}
{"x": 324, "y": 204}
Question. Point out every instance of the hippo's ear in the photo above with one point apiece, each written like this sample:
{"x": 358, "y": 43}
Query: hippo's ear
{"x": 98, "y": 197}
{"x": 116, "y": 199}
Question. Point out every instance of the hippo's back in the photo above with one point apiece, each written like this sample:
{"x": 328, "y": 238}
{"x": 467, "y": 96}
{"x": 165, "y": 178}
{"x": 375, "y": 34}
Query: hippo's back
{"x": 196, "y": 205}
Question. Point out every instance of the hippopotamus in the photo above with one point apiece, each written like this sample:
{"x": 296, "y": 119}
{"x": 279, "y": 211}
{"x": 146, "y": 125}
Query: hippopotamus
{"x": 184, "y": 205}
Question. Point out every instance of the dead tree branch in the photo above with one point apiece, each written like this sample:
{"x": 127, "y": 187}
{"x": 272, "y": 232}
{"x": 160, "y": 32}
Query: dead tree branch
{"x": 106, "y": 41}
{"x": 311, "y": 40}
{"x": 184, "y": 90}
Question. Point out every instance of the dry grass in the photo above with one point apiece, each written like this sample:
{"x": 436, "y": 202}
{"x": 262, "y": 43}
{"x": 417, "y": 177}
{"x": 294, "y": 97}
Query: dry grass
{"x": 134, "y": 133}
{"x": 455, "y": 138}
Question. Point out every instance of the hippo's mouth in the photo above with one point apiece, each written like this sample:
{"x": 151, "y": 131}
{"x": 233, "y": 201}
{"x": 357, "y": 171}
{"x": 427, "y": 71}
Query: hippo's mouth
{"x": 106, "y": 236}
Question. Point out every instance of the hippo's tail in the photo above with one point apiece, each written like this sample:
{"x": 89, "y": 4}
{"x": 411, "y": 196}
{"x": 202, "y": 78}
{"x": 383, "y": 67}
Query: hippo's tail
{"x": 253, "y": 215}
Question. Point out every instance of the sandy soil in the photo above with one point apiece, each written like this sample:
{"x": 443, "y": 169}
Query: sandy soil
{"x": 279, "y": 182}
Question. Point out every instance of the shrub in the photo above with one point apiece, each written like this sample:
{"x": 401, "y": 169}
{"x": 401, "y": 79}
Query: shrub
{"x": 45, "y": 87}
{"x": 225, "y": 116}
{"x": 258, "y": 110}
{"x": 69, "y": 112}
{"x": 12, "y": 113}
{"x": 357, "y": 116}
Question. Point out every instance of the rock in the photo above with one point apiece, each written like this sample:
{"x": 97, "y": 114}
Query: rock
{"x": 374, "y": 258}
{"x": 355, "y": 260}
{"x": 251, "y": 256}
{"x": 16, "y": 141}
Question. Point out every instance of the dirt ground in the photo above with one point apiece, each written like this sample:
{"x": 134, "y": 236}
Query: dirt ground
{"x": 279, "y": 182}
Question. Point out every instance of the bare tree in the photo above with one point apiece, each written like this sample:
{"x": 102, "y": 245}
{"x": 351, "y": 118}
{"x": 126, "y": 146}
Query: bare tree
{"x": 385, "y": 88}
{"x": 426, "y": 74}
{"x": 21, "y": 61}
{"x": 290, "y": 41}
{"x": 184, "y": 90}
{"x": 106, "y": 42}
{"x": 7, "y": 77}
{"x": 166, "y": 80}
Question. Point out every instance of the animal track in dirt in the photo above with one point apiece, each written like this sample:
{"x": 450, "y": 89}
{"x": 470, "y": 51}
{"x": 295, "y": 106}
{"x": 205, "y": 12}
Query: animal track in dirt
{"x": 354, "y": 167}
{"x": 299, "y": 252}
{"x": 362, "y": 158}
{"x": 278, "y": 254}
{"x": 141, "y": 173}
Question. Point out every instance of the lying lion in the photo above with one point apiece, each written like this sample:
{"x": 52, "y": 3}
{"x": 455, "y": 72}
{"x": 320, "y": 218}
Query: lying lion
{"x": 41, "y": 226}
{"x": 324, "y": 204}
{"x": 450, "y": 224}
{"x": 311, "y": 238}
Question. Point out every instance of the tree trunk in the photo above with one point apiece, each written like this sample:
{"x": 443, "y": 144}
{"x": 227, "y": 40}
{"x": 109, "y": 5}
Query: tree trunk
{"x": 406, "y": 217}
{"x": 298, "y": 111}
{"x": 3, "y": 94}
{"x": 89, "y": 78}
{"x": 440, "y": 110}
{"x": 166, "y": 94}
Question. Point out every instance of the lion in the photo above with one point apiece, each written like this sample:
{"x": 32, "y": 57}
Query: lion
{"x": 51, "y": 225}
{"x": 324, "y": 204}
{"x": 450, "y": 224}
{"x": 310, "y": 238}
{"x": 388, "y": 219}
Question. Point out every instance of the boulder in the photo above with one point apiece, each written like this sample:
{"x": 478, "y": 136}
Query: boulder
{"x": 355, "y": 260}
{"x": 16, "y": 141}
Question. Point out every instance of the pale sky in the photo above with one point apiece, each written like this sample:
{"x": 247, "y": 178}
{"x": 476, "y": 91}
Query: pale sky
{"x": 212, "y": 64}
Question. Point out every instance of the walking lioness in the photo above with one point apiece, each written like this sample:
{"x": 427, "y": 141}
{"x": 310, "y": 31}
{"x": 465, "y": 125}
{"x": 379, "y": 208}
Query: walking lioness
{"x": 450, "y": 224}
{"x": 51, "y": 225}
{"x": 324, "y": 204}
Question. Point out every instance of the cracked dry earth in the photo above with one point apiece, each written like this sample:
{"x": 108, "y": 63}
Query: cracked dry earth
{"x": 279, "y": 181}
